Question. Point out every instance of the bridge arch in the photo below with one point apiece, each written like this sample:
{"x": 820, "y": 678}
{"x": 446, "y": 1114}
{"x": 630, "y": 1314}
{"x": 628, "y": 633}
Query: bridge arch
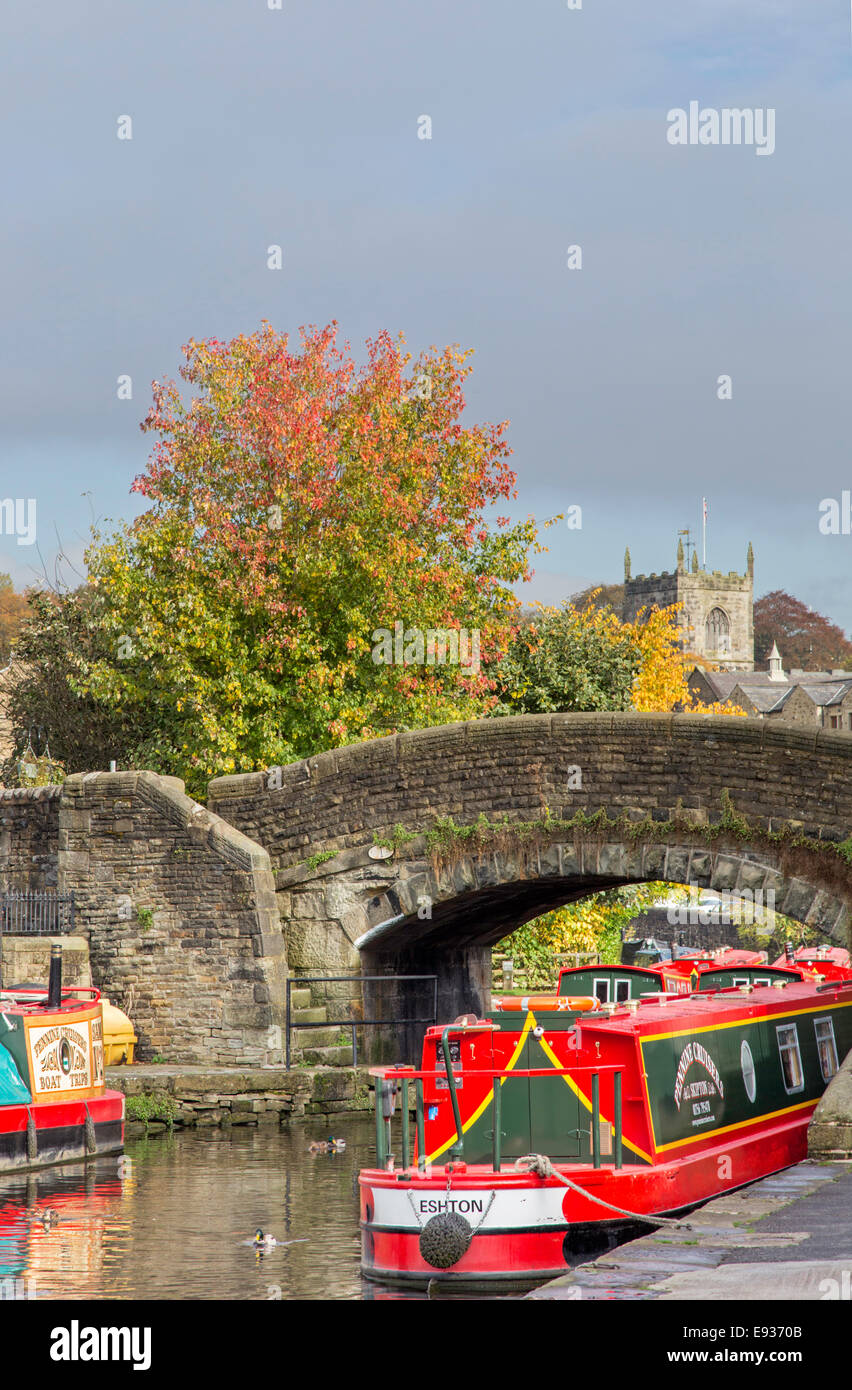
{"x": 487, "y": 824}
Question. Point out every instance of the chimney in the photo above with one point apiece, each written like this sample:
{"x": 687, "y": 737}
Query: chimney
{"x": 54, "y": 988}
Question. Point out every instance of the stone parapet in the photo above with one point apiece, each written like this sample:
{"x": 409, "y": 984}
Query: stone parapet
{"x": 179, "y": 910}
{"x": 830, "y": 1129}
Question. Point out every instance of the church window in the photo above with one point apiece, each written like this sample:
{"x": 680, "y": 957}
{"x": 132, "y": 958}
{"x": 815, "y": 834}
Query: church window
{"x": 717, "y": 631}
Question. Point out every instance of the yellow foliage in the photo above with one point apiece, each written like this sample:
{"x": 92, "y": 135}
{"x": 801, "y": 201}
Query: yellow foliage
{"x": 660, "y": 684}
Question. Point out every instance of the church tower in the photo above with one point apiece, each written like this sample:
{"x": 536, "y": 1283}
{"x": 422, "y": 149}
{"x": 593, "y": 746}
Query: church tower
{"x": 716, "y": 618}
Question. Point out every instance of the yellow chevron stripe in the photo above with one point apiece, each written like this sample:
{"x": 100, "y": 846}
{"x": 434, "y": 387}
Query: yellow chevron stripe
{"x": 586, "y": 1100}
{"x": 481, "y": 1109}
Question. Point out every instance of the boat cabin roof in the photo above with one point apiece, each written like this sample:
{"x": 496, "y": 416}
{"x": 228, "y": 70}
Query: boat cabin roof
{"x": 34, "y": 1001}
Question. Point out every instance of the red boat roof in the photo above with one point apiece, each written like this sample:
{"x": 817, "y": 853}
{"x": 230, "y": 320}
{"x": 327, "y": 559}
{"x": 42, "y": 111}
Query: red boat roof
{"x": 671, "y": 1013}
{"x": 816, "y": 954}
{"x": 34, "y": 1001}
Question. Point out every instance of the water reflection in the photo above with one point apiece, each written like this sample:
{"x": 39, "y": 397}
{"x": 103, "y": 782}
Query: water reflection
{"x": 169, "y": 1220}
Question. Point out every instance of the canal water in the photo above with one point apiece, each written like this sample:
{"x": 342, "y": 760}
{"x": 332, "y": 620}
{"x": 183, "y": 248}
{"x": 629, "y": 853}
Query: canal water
{"x": 171, "y": 1218}
{"x": 169, "y": 1221}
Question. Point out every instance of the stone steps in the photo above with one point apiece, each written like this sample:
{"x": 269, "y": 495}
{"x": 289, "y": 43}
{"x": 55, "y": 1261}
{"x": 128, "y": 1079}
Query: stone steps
{"x": 314, "y": 1037}
{"x": 337, "y": 1055}
{"x": 308, "y": 1016}
{"x": 317, "y": 1047}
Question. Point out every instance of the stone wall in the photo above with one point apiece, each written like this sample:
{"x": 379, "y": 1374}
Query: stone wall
{"x": 830, "y": 1129}
{"x": 25, "y": 960}
{"x": 199, "y": 1097}
{"x": 29, "y": 837}
{"x": 713, "y": 935}
{"x": 180, "y": 915}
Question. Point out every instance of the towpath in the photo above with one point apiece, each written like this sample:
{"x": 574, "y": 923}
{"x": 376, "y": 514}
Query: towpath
{"x": 787, "y": 1237}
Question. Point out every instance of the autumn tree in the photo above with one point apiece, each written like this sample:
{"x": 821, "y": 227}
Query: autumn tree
{"x": 14, "y": 609}
{"x": 304, "y": 510}
{"x": 54, "y": 652}
{"x": 806, "y": 640}
{"x": 601, "y": 596}
{"x": 568, "y": 659}
{"x": 587, "y": 659}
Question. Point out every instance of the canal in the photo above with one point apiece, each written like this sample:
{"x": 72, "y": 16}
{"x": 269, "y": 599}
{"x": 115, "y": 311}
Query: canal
{"x": 170, "y": 1221}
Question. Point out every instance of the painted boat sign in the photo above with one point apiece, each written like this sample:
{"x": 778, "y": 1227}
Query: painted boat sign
{"x": 61, "y": 1056}
{"x": 97, "y": 1026}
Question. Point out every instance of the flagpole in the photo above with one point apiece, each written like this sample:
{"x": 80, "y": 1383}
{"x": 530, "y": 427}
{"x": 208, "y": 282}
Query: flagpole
{"x": 704, "y": 533}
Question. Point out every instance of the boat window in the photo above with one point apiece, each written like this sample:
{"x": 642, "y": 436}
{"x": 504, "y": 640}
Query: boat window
{"x": 761, "y": 980}
{"x": 741, "y": 979}
{"x": 622, "y": 991}
{"x": 747, "y": 1064}
{"x": 601, "y": 990}
{"x": 826, "y": 1047}
{"x": 791, "y": 1058}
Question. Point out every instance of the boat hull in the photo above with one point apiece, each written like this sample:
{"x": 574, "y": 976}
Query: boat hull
{"x": 66, "y": 1131}
{"x": 534, "y": 1228}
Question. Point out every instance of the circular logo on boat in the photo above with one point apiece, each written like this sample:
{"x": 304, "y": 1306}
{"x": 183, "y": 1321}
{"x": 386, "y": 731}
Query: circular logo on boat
{"x": 749, "y": 1076}
{"x": 65, "y": 1056}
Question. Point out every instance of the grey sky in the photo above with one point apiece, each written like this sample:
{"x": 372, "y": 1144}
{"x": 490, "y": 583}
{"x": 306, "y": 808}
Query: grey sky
{"x": 254, "y": 126}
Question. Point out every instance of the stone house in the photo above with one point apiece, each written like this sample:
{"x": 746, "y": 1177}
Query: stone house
{"x": 813, "y": 699}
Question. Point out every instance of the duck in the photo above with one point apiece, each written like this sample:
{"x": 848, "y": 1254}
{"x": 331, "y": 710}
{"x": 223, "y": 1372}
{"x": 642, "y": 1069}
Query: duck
{"x": 49, "y": 1218}
{"x": 327, "y": 1146}
{"x": 263, "y": 1242}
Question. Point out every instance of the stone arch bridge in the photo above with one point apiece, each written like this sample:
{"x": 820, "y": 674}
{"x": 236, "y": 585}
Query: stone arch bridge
{"x": 725, "y": 803}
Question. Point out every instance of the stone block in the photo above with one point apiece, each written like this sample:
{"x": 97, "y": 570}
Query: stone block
{"x": 332, "y": 1085}
{"x": 725, "y": 873}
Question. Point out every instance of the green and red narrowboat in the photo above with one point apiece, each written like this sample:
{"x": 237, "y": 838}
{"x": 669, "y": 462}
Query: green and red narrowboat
{"x": 539, "y": 1130}
{"x": 54, "y": 1107}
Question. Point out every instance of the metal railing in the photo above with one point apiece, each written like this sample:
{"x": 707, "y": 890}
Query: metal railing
{"x": 36, "y": 912}
{"x": 388, "y": 1079}
{"x": 300, "y": 981}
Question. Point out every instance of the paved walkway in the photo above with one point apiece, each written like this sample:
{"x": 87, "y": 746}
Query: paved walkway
{"x": 788, "y": 1237}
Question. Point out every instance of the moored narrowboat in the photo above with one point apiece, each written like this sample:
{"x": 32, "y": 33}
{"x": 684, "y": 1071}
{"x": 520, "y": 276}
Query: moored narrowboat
{"x": 540, "y": 1130}
{"x": 54, "y": 1105}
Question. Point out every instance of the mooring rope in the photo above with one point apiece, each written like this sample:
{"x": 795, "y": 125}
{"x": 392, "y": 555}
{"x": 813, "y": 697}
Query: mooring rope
{"x": 541, "y": 1165}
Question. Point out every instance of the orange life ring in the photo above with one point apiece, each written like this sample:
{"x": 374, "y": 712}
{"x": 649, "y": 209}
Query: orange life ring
{"x": 552, "y": 1003}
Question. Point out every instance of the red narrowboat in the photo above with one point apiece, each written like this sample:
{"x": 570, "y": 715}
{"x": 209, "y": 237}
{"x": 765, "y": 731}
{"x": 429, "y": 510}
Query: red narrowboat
{"x": 544, "y": 1128}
